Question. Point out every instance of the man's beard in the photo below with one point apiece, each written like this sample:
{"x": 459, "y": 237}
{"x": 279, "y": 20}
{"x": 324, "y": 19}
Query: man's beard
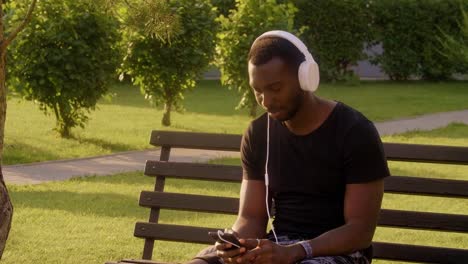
{"x": 296, "y": 103}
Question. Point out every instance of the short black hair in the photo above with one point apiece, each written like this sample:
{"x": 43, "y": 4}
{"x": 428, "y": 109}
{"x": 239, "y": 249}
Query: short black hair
{"x": 269, "y": 47}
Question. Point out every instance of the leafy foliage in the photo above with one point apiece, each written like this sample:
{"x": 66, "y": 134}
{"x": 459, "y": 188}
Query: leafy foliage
{"x": 164, "y": 70}
{"x": 239, "y": 30}
{"x": 409, "y": 30}
{"x": 66, "y": 59}
{"x": 224, "y": 6}
{"x": 455, "y": 48}
{"x": 335, "y": 40}
{"x": 153, "y": 18}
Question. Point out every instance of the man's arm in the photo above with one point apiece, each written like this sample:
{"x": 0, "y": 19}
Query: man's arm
{"x": 361, "y": 210}
{"x": 252, "y": 219}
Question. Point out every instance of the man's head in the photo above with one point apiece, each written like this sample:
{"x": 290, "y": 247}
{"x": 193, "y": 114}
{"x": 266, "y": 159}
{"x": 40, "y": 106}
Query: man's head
{"x": 273, "y": 74}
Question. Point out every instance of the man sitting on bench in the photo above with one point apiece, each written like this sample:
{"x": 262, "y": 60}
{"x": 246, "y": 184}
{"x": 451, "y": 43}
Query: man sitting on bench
{"x": 318, "y": 164}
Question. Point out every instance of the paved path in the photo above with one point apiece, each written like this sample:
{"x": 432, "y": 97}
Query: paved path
{"x": 424, "y": 122}
{"x": 102, "y": 165}
{"x": 134, "y": 160}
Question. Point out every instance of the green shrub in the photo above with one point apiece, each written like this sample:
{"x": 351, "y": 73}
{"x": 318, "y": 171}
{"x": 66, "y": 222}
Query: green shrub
{"x": 224, "y": 6}
{"x": 65, "y": 59}
{"x": 409, "y": 30}
{"x": 335, "y": 31}
{"x": 455, "y": 48}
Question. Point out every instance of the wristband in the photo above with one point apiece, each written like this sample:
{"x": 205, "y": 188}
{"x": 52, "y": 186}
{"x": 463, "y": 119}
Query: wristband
{"x": 307, "y": 248}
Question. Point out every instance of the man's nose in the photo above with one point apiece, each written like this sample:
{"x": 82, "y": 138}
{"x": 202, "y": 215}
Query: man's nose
{"x": 266, "y": 100}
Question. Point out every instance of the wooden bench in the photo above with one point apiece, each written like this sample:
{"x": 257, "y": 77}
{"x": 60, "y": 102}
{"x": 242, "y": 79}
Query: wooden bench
{"x": 158, "y": 199}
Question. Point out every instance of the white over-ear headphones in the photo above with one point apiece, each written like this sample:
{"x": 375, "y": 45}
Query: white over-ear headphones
{"x": 308, "y": 72}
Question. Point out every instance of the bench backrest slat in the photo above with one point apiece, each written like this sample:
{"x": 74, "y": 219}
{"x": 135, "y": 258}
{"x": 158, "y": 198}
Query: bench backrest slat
{"x": 426, "y": 186}
{"x": 423, "y": 220}
{"x": 217, "y": 172}
{"x": 180, "y": 233}
{"x": 189, "y": 202}
{"x": 229, "y": 142}
{"x": 225, "y": 205}
{"x": 426, "y": 153}
{"x": 214, "y": 172}
{"x": 425, "y": 254}
{"x": 207, "y": 141}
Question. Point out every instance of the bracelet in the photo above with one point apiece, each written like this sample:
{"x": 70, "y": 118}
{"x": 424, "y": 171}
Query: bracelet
{"x": 307, "y": 248}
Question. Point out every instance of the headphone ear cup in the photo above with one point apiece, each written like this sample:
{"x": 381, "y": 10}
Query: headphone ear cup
{"x": 313, "y": 77}
{"x": 309, "y": 76}
{"x": 302, "y": 75}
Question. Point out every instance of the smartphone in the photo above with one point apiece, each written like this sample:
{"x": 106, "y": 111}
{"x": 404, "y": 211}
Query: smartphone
{"x": 223, "y": 237}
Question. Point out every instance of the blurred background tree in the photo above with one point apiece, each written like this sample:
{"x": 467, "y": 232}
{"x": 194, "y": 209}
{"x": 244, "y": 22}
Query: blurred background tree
{"x": 238, "y": 31}
{"x": 165, "y": 69}
{"x": 66, "y": 60}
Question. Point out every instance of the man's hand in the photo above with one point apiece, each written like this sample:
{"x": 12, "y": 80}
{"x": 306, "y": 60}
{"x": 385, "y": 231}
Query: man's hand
{"x": 228, "y": 252}
{"x": 265, "y": 251}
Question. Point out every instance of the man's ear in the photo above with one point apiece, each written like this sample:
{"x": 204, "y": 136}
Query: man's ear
{"x": 259, "y": 99}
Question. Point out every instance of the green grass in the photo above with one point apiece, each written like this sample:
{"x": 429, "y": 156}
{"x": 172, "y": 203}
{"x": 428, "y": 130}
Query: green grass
{"x": 125, "y": 122}
{"x": 91, "y": 220}
{"x": 381, "y": 101}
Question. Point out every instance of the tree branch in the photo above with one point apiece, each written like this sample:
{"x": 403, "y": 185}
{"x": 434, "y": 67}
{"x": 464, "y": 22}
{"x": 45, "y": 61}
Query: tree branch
{"x": 23, "y": 24}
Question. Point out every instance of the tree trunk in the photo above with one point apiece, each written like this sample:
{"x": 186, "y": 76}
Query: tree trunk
{"x": 3, "y": 102}
{"x": 6, "y": 208}
{"x": 166, "y": 120}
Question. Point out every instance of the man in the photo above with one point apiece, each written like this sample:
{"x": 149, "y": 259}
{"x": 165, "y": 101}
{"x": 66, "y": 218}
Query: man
{"x": 319, "y": 162}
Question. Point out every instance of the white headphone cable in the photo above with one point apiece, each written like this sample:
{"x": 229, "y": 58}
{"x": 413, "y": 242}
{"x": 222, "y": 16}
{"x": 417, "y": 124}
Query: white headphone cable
{"x": 267, "y": 178}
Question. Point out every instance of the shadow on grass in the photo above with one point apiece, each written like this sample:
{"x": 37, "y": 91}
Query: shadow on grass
{"x": 19, "y": 153}
{"x": 101, "y": 204}
{"x": 125, "y": 94}
{"x": 129, "y": 179}
{"x": 104, "y": 144}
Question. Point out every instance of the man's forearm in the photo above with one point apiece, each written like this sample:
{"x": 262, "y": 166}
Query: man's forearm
{"x": 250, "y": 228}
{"x": 342, "y": 240}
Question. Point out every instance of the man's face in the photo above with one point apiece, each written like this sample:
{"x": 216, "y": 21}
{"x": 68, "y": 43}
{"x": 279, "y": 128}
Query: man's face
{"x": 276, "y": 88}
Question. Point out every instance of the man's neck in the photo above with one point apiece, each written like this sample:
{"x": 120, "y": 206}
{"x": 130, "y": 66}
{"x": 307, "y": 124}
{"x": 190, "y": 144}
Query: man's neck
{"x": 313, "y": 112}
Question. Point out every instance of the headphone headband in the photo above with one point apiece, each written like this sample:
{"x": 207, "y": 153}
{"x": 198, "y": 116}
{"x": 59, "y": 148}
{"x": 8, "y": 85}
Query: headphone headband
{"x": 308, "y": 72}
{"x": 291, "y": 38}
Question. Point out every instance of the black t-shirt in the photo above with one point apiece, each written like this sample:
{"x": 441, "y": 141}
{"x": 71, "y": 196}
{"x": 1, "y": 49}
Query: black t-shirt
{"x": 308, "y": 174}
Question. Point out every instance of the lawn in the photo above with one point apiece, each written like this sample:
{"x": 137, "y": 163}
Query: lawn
{"x": 91, "y": 220}
{"x": 125, "y": 122}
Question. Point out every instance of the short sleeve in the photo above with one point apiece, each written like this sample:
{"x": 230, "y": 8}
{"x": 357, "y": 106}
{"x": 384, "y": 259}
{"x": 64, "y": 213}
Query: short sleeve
{"x": 364, "y": 157}
{"x": 250, "y": 158}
